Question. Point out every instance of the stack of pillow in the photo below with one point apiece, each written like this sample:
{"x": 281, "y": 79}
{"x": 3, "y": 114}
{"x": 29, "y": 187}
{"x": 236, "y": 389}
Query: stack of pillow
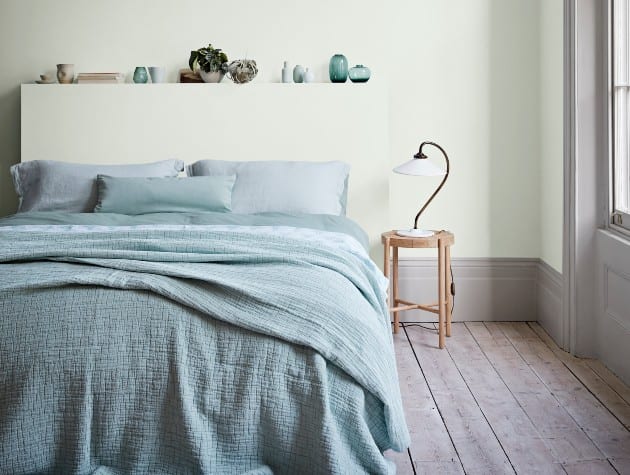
{"x": 211, "y": 185}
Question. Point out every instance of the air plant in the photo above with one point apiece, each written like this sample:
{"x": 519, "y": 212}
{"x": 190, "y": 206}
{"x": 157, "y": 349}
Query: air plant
{"x": 242, "y": 70}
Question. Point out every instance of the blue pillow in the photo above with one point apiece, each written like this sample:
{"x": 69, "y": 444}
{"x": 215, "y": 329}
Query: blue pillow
{"x": 282, "y": 186}
{"x": 131, "y": 195}
{"x": 49, "y": 185}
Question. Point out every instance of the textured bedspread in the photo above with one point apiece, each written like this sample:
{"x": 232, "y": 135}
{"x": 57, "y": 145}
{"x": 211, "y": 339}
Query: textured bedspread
{"x": 194, "y": 349}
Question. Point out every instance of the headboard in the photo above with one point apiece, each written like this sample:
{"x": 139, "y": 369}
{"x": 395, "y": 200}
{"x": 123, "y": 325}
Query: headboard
{"x": 123, "y": 123}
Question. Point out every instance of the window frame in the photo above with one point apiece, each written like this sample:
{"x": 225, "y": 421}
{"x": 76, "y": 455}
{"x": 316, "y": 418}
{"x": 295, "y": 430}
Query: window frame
{"x": 619, "y": 220}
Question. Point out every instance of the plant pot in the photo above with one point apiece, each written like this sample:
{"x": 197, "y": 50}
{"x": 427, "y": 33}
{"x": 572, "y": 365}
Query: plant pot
{"x": 212, "y": 76}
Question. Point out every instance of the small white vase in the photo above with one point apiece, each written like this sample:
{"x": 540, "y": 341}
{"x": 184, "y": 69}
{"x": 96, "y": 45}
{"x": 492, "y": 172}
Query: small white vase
{"x": 308, "y": 76}
{"x": 298, "y": 74}
{"x": 212, "y": 76}
{"x": 287, "y": 74}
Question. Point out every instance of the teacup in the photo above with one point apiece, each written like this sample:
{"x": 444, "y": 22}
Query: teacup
{"x": 45, "y": 77}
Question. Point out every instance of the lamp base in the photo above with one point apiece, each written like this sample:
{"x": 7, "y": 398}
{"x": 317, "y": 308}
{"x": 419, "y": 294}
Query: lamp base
{"x": 416, "y": 233}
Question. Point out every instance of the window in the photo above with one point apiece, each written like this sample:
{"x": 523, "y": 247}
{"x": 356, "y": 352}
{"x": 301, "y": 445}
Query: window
{"x": 621, "y": 109}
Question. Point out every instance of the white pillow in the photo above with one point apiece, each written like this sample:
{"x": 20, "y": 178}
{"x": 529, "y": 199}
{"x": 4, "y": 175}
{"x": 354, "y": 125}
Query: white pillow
{"x": 282, "y": 186}
{"x": 48, "y": 185}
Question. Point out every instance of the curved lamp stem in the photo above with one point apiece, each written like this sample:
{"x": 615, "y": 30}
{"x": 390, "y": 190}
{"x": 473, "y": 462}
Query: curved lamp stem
{"x": 421, "y": 155}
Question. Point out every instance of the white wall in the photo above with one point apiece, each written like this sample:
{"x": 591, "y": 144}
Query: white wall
{"x": 466, "y": 74}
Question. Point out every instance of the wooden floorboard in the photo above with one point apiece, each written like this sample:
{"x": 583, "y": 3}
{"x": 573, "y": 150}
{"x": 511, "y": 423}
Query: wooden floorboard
{"x": 598, "y": 422}
{"x": 503, "y": 398}
{"x": 613, "y": 381}
{"x": 431, "y": 449}
{"x": 582, "y": 370}
{"x": 477, "y": 446}
{"x": 521, "y": 440}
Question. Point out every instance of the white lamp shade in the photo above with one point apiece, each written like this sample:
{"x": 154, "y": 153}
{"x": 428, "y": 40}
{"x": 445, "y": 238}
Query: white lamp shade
{"x": 420, "y": 167}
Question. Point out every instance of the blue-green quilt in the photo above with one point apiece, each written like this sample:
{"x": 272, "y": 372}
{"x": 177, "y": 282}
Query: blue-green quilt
{"x": 256, "y": 346}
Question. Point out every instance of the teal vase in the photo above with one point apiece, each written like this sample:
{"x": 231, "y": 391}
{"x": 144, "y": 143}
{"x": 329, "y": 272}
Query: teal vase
{"x": 338, "y": 68}
{"x": 359, "y": 73}
{"x": 140, "y": 75}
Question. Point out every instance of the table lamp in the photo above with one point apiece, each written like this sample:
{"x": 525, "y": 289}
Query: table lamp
{"x": 421, "y": 166}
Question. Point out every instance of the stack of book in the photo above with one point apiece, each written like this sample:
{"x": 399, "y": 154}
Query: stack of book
{"x": 186, "y": 75}
{"x": 100, "y": 78}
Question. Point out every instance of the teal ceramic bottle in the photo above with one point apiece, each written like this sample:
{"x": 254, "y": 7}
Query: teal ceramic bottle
{"x": 140, "y": 75}
{"x": 338, "y": 68}
{"x": 359, "y": 73}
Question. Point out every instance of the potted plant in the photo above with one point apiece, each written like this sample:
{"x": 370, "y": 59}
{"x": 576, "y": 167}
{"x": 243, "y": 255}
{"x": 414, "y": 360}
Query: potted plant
{"x": 212, "y": 63}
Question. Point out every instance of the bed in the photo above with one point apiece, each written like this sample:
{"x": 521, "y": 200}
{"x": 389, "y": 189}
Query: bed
{"x": 194, "y": 343}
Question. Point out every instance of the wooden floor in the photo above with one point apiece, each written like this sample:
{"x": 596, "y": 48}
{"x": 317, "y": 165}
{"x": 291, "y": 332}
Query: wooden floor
{"x": 503, "y": 398}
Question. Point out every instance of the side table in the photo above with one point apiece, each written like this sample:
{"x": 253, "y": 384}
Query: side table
{"x": 442, "y": 240}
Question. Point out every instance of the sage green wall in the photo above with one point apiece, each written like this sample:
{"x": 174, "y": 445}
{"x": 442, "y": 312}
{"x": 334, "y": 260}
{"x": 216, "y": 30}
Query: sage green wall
{"x": 469, "y": 74}
{"x": 468, "y": 78}
{"x": 117, "y": 35}
{"x": 551, "y": 131}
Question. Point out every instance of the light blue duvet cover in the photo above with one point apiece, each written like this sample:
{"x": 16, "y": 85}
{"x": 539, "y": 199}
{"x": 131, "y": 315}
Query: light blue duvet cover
{"x": 248, "y": 347}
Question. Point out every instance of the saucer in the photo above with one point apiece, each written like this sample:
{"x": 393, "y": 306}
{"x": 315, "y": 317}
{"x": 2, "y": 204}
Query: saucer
{"x": 41, "y": 81}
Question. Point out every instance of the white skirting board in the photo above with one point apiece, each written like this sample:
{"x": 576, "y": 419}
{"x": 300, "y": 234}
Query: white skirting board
{"x": 549, "y": 301}
{"x": 488, "y": 289}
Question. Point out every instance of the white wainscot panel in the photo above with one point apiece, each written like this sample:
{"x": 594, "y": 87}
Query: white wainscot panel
{"x": 618, "y": 298}
{"x": 613, "y": 308}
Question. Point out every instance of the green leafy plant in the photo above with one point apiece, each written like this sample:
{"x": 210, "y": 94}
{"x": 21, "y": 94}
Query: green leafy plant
{"x": 208, "y": 59}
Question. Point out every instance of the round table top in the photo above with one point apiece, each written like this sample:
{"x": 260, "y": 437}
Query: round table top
{"x": 447, "y": 238}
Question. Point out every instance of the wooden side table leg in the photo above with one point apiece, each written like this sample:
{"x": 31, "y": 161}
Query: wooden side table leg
{"x": 386, "y": 258}
{"x": 395, "y": 288}
{"x": 449, "y": 296}
{"x": 441, "y": 291}
{"x": 386, "y": 265}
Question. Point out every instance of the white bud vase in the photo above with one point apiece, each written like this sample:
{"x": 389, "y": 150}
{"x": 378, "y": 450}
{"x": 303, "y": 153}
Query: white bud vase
{"x": 287, "y": 74}
{"x": 308, "y": 76}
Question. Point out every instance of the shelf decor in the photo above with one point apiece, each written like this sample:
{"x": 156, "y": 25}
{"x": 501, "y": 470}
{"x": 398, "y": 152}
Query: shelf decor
{"x": 338, "y": 68}
{"x": 140, "y": 75}
{"x": 189, "y": 76}
{"x": 287, "y": 74}
{"x": 359, "y": 73}
{"x": 211, "y": 62}
{"x": 241, "y": 71}
{"x": 65, "y": 73}
{"x": 298, "y": 73}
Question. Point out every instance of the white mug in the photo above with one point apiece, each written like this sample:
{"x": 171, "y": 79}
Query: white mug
{"x": 158, "y": 74}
